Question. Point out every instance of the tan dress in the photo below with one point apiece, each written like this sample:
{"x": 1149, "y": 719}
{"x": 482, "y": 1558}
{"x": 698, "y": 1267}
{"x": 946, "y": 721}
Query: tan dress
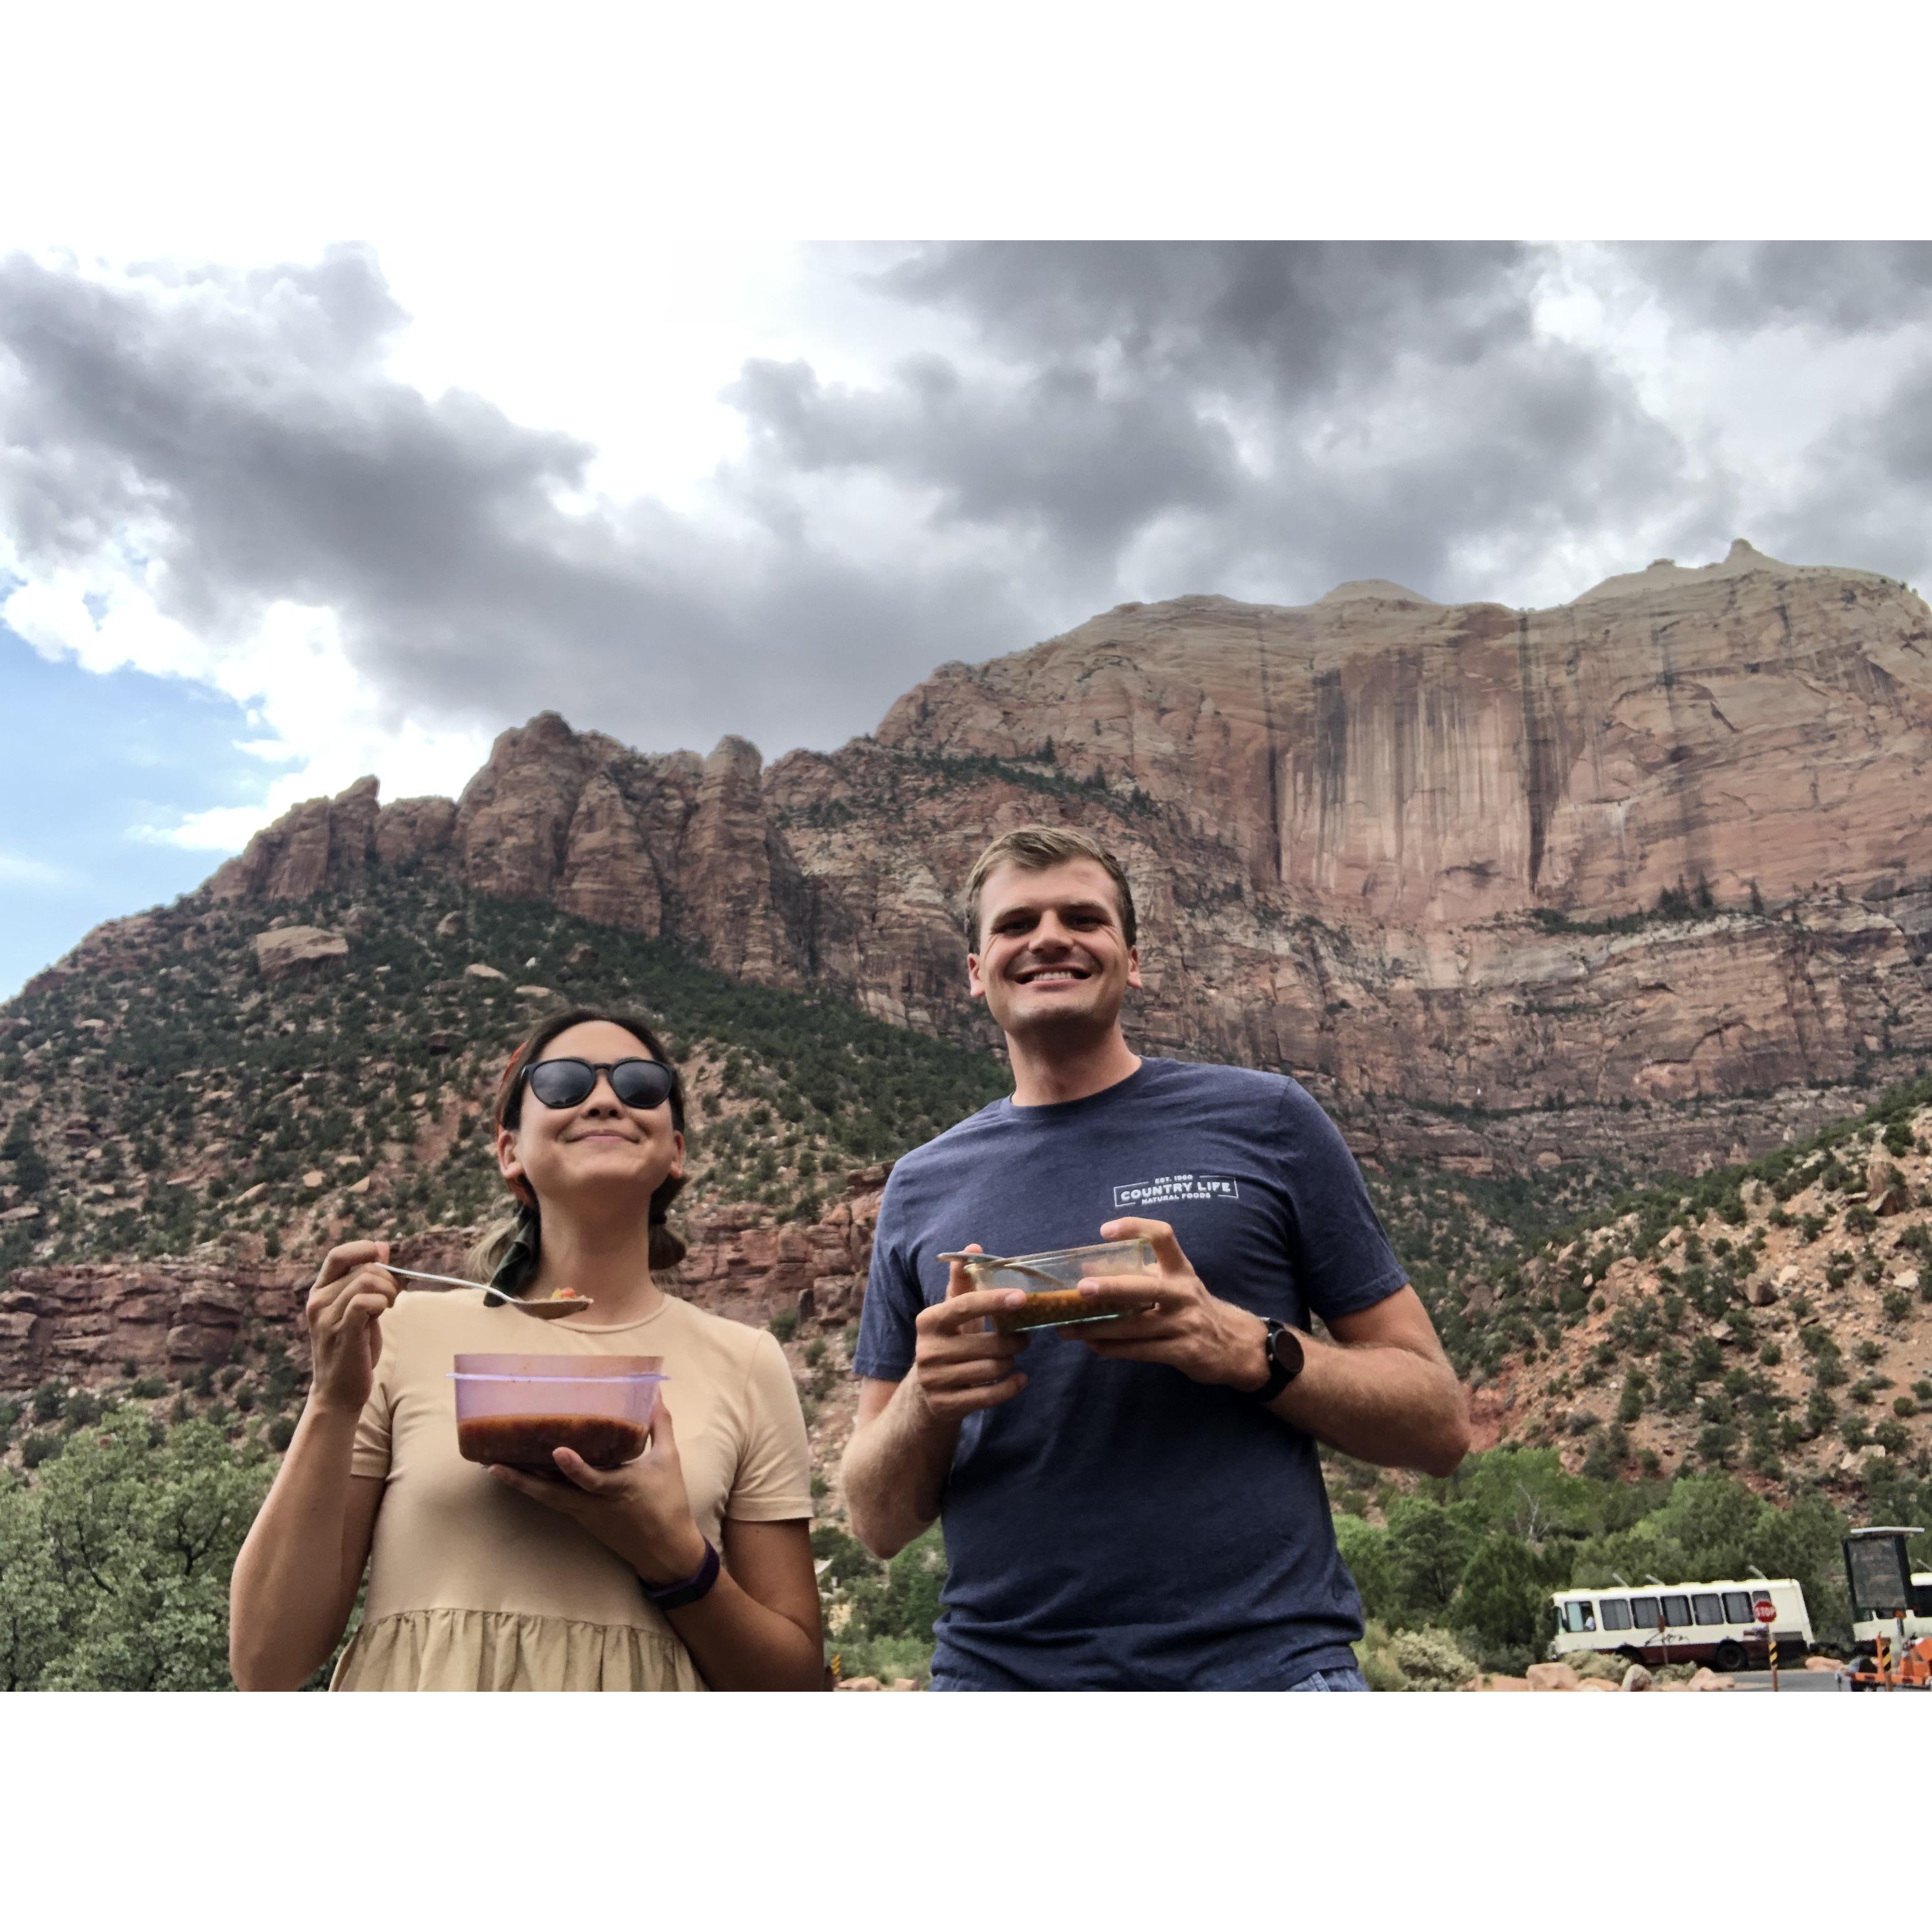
{"x": 472, "y": 1587}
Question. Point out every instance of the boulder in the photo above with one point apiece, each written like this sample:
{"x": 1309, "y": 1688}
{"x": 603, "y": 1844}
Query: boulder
{"x": 476, "y": 970}
{"x": 905, "y": 1684}
{"x": 1551, "y": 1677}
{"x": 860, "y": 1684}
{"x": 1832, "y": 1663}
{"x": 1636, "y": 1679}
{"x": 1490, "y": 1680}
{"x": 298, "y": 952}
{"x": 1708, "y": 1679}
{"x": 450, "y": 926}
{"x": 1597, "y": 1684}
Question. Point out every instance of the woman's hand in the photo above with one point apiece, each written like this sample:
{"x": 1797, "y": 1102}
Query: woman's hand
{"x": 640, "y": 1512}
{"x": 351, "y": 1294}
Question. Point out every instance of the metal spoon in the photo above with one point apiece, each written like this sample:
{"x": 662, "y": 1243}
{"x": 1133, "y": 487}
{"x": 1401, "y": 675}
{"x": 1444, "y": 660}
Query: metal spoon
{"x": 553, "y": 1308}
{"x": 974, "y": 1262}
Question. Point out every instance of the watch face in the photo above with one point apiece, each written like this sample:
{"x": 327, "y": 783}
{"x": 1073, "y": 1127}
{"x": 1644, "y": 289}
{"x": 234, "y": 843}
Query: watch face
{"x": 1285, "y": 1348}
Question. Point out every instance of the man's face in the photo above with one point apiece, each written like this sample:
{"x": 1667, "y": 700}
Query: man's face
{"x": 1052, "y": 951}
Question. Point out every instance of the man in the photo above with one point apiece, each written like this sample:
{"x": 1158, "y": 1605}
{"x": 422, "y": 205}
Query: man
{"x": 1141, "y": 1505}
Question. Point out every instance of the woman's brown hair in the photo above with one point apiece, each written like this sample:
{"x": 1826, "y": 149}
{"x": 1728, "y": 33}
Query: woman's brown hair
{"x": 497, "y": 1242}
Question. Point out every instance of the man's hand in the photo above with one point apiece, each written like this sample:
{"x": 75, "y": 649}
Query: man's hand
{"x": 960, "y": 1365}
{"x": 641, "y": 1511}
{"x": 1207, "y": 1339}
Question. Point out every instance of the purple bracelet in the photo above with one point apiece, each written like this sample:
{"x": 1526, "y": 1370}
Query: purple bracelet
{"x": 675, "y": 1596}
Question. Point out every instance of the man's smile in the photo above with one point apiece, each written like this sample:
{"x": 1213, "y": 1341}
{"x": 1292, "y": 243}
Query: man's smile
{"x": 1039, "y": 975}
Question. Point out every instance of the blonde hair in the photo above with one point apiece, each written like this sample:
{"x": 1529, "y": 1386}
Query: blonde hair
{"x": 1037, "y": 848}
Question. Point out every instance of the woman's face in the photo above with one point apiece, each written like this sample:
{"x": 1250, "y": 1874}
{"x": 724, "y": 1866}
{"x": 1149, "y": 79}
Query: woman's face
{"x": 600, "y": 1146}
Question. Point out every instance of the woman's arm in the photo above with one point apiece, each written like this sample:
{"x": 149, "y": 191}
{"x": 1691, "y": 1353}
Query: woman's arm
{"x": 755, "y": 1630}
{"x": 295, "y": 1580}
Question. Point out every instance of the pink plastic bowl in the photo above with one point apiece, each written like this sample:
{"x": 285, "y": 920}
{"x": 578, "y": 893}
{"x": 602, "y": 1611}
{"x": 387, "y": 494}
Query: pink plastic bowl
{"x": 516, "y": 1409}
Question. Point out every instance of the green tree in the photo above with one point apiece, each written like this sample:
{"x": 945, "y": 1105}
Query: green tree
{"x": 1428, "y": 1545}
{"x": 1504, "y": 1598}
{"x": 1365, "y": 1550}
{"x": 118, "y": 1558}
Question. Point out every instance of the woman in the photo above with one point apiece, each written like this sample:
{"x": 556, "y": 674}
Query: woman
{"x": 489, "y": 1579}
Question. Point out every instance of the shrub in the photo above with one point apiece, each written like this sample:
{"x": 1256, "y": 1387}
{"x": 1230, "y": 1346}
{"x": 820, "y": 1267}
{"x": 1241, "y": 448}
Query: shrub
{"x": 39, "y": 1448}
{"x": 1868, "y": 1351}
{"x": 1897, "y": 1304}
{"x": 784, "y": 1324}
{"x": 1904, "y": 1406}
{"x": 280, "y": 1433}
{"x": 1430, "y": 1659}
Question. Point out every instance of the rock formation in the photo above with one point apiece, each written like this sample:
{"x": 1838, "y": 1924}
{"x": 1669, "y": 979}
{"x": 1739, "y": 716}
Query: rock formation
{"x": 81, "y": 1324}
{"x": 290, "y": 952}
{"x": 1672, "y": 841}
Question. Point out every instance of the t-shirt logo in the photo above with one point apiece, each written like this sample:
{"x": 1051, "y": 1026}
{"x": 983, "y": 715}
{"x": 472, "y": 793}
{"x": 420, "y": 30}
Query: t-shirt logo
{"x": 1176, "y": 1187}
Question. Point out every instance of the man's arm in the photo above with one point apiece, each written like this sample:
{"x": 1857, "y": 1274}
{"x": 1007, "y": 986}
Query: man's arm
{"x": 1382, "y": 1390}
{"x": 902, "y": 1442}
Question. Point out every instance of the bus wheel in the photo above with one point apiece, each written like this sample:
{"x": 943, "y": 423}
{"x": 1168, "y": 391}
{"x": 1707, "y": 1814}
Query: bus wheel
{"x": 1729, "y": 1657}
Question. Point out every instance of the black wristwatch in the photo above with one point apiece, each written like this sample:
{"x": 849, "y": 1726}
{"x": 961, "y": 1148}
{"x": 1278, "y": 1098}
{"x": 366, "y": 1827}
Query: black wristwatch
{"x": 1285, "y": 1359}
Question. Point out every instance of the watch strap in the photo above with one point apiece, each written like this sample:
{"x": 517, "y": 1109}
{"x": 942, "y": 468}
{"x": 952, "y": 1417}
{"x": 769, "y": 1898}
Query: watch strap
{"x": 675, "y": 1596}
{"x": 1284, "y": 1363}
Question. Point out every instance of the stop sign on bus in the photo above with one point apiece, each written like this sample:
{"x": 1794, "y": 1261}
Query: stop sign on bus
{"x": 1763, "y": 1610}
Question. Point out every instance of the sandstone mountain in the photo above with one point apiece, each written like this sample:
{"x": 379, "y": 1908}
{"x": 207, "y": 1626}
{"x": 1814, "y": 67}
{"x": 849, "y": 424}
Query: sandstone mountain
{"x": 1665, "y": 850}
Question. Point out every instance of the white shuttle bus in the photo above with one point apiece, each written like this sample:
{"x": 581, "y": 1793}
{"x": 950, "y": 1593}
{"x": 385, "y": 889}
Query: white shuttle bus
{"x": 1685, "y": 1623}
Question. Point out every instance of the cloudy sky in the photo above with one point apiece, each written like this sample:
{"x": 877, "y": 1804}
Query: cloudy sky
{"x": 296, "y": 487}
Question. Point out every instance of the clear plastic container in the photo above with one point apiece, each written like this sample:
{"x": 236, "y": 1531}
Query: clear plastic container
{"x": 515, "y": 1409}
{"x": 1051, "y": 1281}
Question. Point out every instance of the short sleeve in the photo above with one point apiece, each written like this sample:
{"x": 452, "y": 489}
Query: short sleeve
{"x": 1343, "y": 1262}
{"x": 371, "y": 1455}
{"x": 887, "y": 1334}
{"x": 773, "y": 1482}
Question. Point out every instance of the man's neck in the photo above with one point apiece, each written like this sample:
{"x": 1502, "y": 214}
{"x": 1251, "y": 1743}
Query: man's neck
{"x": 1049, "y": 1068}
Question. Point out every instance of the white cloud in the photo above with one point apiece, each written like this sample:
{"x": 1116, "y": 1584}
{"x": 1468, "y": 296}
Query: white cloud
{"x": 19, "y": 872}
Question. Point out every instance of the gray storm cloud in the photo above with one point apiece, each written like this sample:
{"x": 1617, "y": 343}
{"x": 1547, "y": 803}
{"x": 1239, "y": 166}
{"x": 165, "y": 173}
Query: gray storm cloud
{"x": 1132, "y": 419}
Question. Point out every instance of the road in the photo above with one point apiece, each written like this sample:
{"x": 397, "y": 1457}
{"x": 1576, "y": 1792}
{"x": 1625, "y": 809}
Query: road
{"x": 1813, "y": 1681}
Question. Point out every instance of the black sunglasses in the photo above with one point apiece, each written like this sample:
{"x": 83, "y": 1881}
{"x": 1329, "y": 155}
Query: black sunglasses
{"x": 642, "y": 1084}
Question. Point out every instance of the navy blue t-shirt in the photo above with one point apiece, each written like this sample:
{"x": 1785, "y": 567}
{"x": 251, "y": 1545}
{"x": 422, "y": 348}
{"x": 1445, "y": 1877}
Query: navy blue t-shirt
{"x": 1116, "y": 1525}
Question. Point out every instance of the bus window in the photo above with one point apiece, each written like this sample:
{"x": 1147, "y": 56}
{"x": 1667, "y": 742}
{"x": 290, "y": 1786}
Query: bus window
{"x": 1677, "y": 1612}
{"x": 1707, "y": 1609}
{"x": 1577, "y": 1617}
{"x": 1643, "y": 1613}
{"x": 1616, "y": 1612}
{"x": 1737, "y": 1607}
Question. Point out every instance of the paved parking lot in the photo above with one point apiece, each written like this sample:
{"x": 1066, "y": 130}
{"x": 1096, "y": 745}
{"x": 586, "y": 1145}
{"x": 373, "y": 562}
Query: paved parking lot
{"x": 1811, "y": 1682}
